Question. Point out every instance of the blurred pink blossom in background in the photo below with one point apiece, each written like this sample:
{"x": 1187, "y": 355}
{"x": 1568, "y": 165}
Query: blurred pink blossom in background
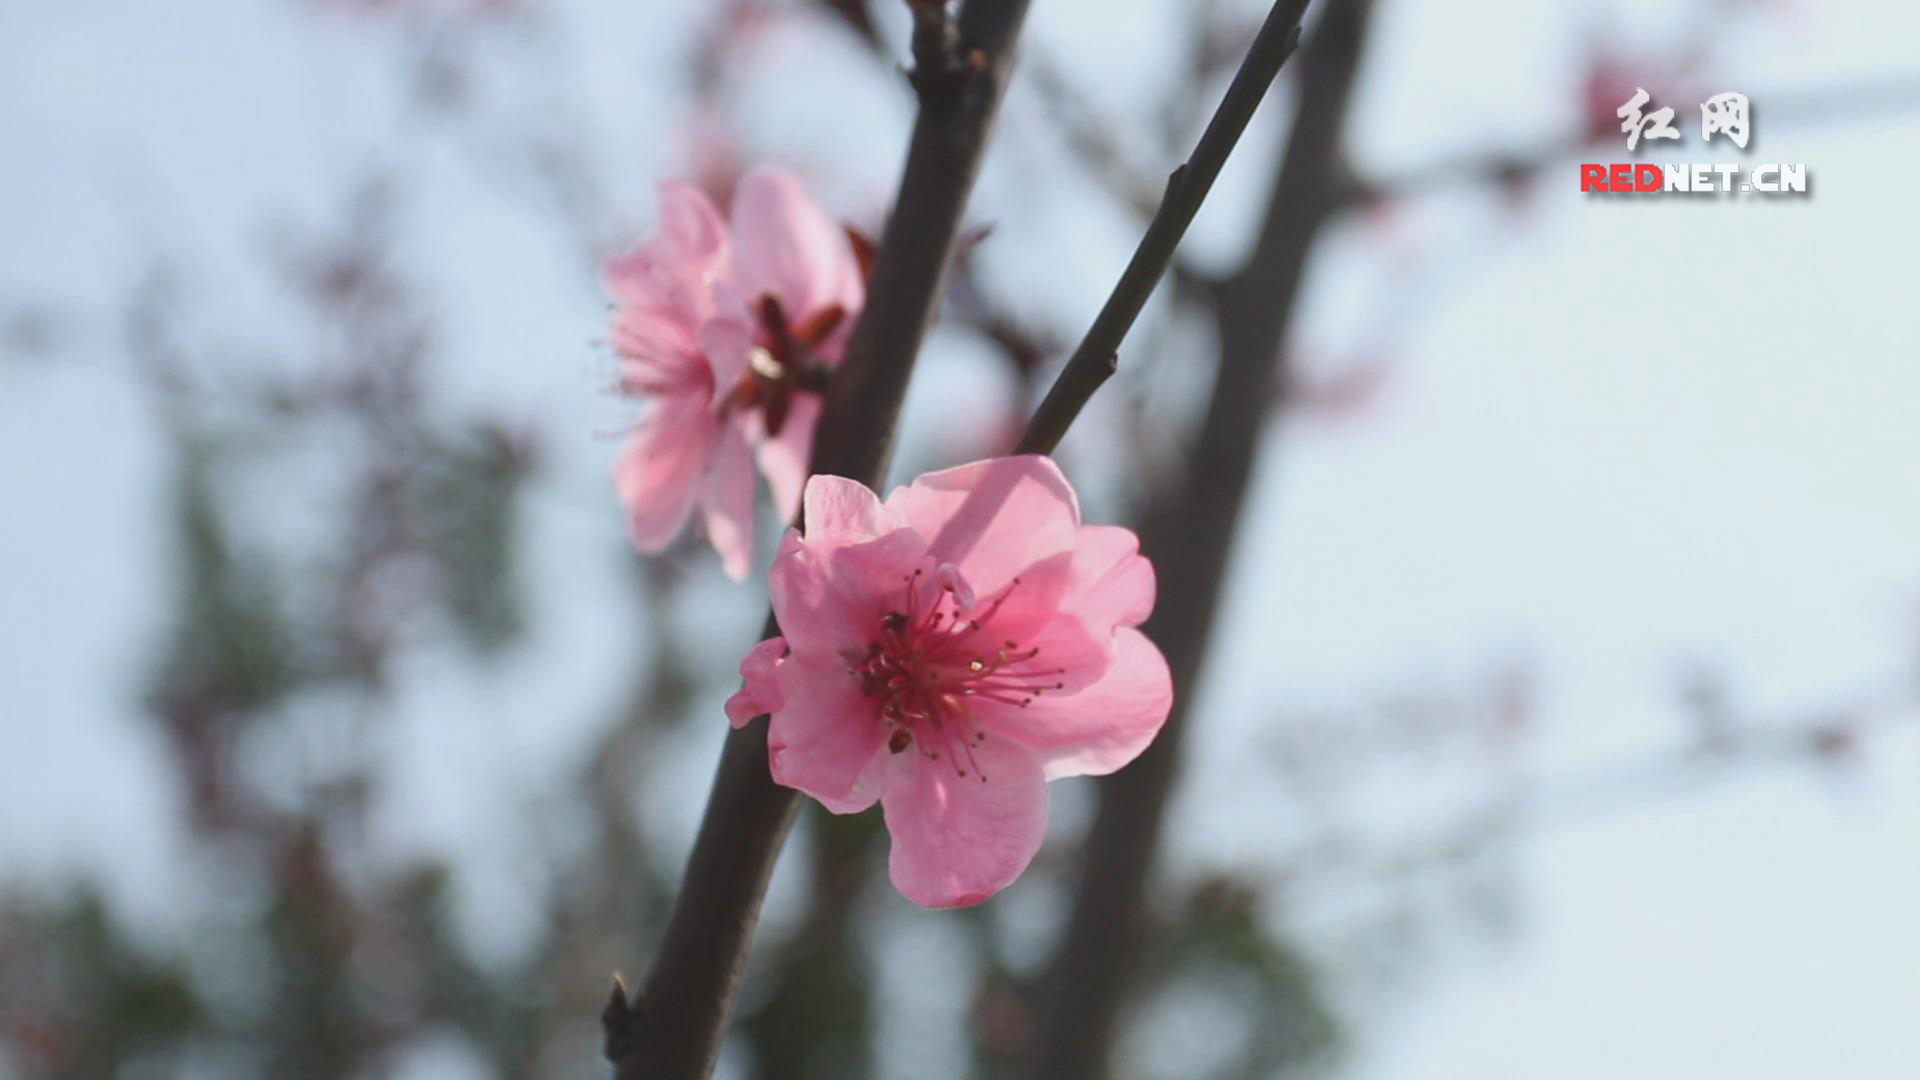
{"x": 727, "y": 330}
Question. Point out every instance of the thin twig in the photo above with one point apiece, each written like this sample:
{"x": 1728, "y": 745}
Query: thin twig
{"x": 1098, "y": 354}
{"x": 674, "y": 1030}
{"x": 1188, "y": 530}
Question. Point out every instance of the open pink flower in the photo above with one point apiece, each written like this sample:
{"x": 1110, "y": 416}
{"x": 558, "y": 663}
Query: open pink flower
{"x": 949, "y": 651}
{"x": 728, "y": 330}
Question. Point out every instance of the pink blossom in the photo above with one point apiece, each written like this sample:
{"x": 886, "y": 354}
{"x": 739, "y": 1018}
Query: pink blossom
{"x": 949, "y": 651}
{"x": 727, "y": 329}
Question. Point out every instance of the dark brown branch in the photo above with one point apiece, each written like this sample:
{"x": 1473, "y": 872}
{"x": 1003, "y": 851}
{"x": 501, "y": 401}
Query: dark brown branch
{"x": 1098, "y": 354}
{"x": 674, "y": 1030}
{"x": 1100, "y": 156}
{"x": 916, "y": 249}
{"x": 1188, "y": 530}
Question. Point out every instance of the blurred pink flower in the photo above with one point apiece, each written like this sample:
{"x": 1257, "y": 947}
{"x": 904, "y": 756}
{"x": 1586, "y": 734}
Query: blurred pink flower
{"x": 728, "y": 330}
{"x": 1612, "y": 77}
{"x": 1347, "y": 392}
{"x": 971, "y": 619}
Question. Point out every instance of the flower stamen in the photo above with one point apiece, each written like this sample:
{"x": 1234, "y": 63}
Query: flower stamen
{"x": 928, "y": 668}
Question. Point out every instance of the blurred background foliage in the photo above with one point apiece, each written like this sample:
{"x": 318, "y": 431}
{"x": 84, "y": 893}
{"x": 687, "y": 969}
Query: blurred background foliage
{"x": 336, "y": 512}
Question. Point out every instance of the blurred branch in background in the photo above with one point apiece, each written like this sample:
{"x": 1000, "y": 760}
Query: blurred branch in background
{"x": 1188, "y": 529}
{"x": 1098, "y": 354}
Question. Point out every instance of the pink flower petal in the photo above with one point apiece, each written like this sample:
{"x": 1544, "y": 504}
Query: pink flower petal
{"x": 842, "y": 511}
{"x": 958, "y": 840}
{"x": 1071, "y": 657}
{"x": 1111, "y": 583}
{"x": 1104, "y": 725}
{"x": 829, "y": 598}
{"x": 784, "y": 460}
{"x": 786, "y": 247}
{"x": 728, "y": 503}
{"x": 659, "y": 469}
{"x": 759, "y": 692}
{"x": 726, "y": 343}
{"x": 690, "y": 225}
{"x": 658, "y": 353}
{"x": 826, "y": 738}
{"x": 674, "y": 270}
{"x": 1024, "y": 608}
{"x": 993, "y": 519}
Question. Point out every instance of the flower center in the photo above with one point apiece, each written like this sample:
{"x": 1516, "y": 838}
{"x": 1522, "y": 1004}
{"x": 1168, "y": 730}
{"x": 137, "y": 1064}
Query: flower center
{"x": 784, "y": 362}
{"x": 933, "y": 661}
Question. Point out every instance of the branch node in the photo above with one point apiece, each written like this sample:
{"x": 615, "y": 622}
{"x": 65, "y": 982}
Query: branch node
{"x": 1292, "y": 43}
{"x": 1175, "y": 178}
{"x": 936, "y": 46}
{"x": 618, "y": 1020}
